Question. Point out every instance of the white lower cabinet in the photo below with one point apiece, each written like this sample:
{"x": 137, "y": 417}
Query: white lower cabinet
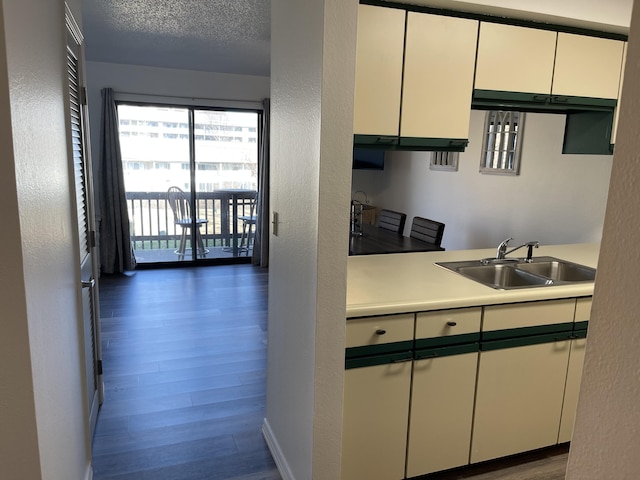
{"x": 441, "y": 413}
{"x": 574, "y": 375}
{"x": 518, "y": 399}
{"x": 375, "y": 413}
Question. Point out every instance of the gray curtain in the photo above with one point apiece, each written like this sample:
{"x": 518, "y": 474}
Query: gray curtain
{"x": 116, "y": 252}
{"x": 261, "y": 239}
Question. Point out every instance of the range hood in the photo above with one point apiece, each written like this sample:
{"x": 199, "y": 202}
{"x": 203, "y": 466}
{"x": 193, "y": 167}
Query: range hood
{"x": 540, "y": 103}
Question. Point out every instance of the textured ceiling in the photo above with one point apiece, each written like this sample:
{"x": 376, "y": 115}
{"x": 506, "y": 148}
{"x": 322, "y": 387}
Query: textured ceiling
{"x": 227, "y": 36}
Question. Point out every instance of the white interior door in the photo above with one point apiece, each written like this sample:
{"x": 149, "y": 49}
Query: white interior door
{"x": 86, "y": 224}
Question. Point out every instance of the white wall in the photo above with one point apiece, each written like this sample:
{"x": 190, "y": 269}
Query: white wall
{"x": 44, "y": 432}
{"x": 607, "y": 429}
{"x": 312, "y": 75}
{"x": 556, "y": 198}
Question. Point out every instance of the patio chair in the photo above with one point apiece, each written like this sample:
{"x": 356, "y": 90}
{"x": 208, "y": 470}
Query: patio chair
{"x": 248, "y": 227}
{"x": 180, "y": 203}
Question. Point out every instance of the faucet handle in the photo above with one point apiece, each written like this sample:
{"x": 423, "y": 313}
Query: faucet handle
{"x": 504, "y": 243}
{"x": 502, "y": 248}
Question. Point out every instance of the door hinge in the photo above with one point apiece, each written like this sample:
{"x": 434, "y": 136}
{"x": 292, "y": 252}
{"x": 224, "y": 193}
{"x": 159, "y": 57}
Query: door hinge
{"x": 83, "y": 96}
{"x": 92, "y": 239}
{"x": 99, "y": 367}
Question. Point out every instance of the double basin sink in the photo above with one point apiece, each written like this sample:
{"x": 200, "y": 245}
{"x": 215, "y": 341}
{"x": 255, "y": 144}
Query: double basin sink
{"x": 508, "y": 274}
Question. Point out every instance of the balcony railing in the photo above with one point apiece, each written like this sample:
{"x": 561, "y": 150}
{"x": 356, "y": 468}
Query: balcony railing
{"x": 152, "y": 221}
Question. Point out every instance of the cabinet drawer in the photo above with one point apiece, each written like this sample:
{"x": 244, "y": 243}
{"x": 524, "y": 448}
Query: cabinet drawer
{"x": 379, "y": 330}
{"x": 444, "y": 323}
{"x": 531, "y": 314}
{"x": 583, "y": 309}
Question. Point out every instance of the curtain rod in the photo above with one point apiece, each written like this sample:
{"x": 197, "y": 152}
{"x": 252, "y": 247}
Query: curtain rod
{"x": 188, "y": 101}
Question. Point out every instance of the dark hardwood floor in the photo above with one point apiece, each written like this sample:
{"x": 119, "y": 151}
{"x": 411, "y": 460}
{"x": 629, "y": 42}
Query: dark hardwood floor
{"x": 184, "y": 353}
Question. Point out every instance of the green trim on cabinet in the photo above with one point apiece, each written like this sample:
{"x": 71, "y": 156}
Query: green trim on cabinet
{"x": 382, "y": 348}
{"x": 539, "y": 102}
{"x": 527, "y": 331}
{"x": 448, "y": 340}
{"x": 446, "y": 351}
{"x": 375, "y": 141}
{"x": 525, "y": 341}
{"x": 414, "y": 144}
{"x": 582, "y": 325}
{"x": 579, "y": 334}
{"x": 378, "y": 360}
{"x": 434, "y": 144}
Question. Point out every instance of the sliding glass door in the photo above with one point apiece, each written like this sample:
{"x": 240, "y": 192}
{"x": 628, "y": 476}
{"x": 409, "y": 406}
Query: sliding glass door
{"x": 179, "y": 160}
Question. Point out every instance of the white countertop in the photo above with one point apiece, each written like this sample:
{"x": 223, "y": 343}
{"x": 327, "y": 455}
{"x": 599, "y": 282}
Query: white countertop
{"x": 411, "y": 282}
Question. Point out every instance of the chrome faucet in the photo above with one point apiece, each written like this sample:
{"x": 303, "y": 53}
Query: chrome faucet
{"x": 502, "y": 251}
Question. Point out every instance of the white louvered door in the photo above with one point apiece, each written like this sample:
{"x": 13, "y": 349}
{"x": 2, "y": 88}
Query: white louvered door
{"x": 85, "y": 222}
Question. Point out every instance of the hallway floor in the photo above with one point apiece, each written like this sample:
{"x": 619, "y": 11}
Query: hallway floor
{"x": 184, "y": 358}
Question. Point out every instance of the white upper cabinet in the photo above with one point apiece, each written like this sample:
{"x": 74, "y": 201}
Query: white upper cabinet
{"x": 378, "y": 70}
{"x": 515, "y": 59}
{"x": 616, "y": 117}
{"x": 587, "y": 66}
{"x": 438, "y": 76}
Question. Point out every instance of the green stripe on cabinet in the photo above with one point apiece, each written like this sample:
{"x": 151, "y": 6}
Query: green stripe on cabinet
{"x": 583, "y": 325}
{"x": 447, "y": 340}
{"x": 579, "y": 334}
{"x": 366, "y": 350}
{"x": 527, "y": 331}
{"x": 434, "y": 144}
{"x": 446, "y": 351}
{"x": 524, "y": 341}
{"x": 375, "y": 141}
{"x": 374, "y": 360}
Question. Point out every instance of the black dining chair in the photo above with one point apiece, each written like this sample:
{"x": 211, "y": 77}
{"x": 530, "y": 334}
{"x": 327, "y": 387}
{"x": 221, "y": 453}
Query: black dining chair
{"x": 426, "y": 230}
{"x": 390, "y": 220}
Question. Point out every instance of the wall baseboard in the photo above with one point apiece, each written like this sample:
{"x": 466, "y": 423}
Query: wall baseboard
{"x": 276, "y": 451}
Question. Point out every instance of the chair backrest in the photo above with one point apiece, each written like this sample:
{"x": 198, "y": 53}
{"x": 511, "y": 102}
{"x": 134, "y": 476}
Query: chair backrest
{"x": 179, "y": 203}
{"x": 428, "y": 231}
{"x": 391, "y": 220}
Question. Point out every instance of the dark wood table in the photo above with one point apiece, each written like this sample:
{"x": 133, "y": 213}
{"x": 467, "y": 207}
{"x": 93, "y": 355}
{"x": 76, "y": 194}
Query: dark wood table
{"x": 376, "y": 240}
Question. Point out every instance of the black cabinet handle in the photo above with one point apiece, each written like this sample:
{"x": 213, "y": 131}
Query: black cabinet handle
{"x": 541, "y": 98}
{"x": 380, "y": 331}
{"x": 451, "y": 324}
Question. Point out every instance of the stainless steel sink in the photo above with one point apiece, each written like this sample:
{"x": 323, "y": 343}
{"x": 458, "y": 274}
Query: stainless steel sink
{"x": 509, "y": 274}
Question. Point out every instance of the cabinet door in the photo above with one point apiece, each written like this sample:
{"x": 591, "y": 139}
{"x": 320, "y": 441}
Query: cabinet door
{"x": 438, "y": 76}
{"x": 587, "y": 66}
{"x": 518, "y": 399}
{"x": 375, "y": 416}
{"x": 515, "y": 59}
{"x": 616, "y": 117}
{"x": 378, "y": 70}
{"x": 441, "y": 413}
{"x": 574, "y": 375}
